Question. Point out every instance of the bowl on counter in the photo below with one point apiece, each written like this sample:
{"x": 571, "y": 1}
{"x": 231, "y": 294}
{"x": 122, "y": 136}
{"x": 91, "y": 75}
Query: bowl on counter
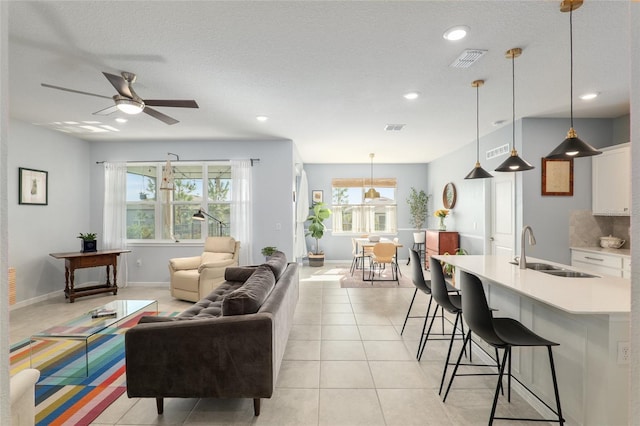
{"x": 611, "y": 242}
{"x": 374, "y": 238}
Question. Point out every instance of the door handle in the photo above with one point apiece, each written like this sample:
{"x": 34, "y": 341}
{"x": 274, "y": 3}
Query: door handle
{"x": 492, "y": 239}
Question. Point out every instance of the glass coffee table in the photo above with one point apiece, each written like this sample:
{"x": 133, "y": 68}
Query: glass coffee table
{"x": 77, "y": 335}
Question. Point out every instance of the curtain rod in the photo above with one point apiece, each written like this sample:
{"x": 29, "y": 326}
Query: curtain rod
{"x": 253, "y": 161}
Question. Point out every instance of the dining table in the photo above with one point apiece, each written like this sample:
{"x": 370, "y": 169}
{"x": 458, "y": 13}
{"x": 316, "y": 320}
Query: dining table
{"x": 363, "y": 244}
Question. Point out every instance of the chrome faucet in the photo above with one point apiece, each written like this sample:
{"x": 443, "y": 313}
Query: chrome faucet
{"x": 532, "y": 242}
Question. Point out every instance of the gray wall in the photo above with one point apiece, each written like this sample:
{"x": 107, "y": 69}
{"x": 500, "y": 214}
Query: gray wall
{"x": 548, "y": 215}
{"x": 76, "y": 191}
{"x": 273, "y": 183}
{"x": 319, "y": 177}
{"x": 34, "y": 230}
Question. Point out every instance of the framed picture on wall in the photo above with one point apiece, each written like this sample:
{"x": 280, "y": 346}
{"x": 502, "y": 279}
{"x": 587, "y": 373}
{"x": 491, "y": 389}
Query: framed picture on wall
{"x": 316, "y": 196}
{"x": 557, "y": 176}
{"x": 33, "y": 186}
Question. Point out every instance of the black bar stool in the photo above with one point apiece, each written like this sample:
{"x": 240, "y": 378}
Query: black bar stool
{"x": 451, "y": 303}
{"x": 424, "y": 286}
{"x": 501, "y": 333}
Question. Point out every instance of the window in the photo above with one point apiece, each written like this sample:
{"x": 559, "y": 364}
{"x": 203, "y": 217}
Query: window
{"x": 353, "y": 214}
{"x": 154, "y": 214}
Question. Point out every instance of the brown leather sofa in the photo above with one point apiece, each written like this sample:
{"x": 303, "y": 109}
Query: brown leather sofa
{"x": 228, "y": 345}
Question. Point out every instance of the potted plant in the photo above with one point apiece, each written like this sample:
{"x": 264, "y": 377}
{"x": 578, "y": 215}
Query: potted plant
{"x": 268, "y": 251}
{"x": 319, "y": 212}
{"x": 418, "y": 209}
{"x": 449, "y": 269}
{"x": 88, "y": 242}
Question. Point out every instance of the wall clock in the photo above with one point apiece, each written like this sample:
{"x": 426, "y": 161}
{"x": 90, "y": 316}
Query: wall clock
{"x": 449, "y": 196}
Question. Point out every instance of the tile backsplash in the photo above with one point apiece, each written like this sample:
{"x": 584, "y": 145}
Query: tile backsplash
{"x": 585, "y": 229}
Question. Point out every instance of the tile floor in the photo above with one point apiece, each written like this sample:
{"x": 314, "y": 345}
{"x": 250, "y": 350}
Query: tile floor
{"x": 346, "y": 364}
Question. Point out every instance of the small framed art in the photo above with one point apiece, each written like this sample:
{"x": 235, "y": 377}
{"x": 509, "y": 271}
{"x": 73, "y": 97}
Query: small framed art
{"x": 33, "y": 186}
{"x": 316, "y": 196}
{"x": 557, "y": 176}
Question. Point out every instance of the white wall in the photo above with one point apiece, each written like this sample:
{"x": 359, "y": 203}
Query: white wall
{"x": 34, "y": 230}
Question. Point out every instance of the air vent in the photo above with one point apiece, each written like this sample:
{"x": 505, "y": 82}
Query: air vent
{"x": 394, "y": 127}
{"x": 497, "y": 152}
{"x": 468, "y": 58}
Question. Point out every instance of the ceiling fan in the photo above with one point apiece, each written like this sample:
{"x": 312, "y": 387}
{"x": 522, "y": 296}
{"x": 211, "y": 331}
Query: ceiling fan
{"x": 128, "y": 101}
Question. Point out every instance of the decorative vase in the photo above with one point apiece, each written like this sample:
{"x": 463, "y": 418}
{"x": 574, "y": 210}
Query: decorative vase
{"x": 442, "y": 226}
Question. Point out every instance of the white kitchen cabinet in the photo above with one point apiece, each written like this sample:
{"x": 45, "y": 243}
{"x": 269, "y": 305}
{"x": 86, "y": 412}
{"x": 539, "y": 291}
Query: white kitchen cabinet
{"x": 626, "y": 268}
{"x": 611, "y": 181}
{"x": 596, "y": 261}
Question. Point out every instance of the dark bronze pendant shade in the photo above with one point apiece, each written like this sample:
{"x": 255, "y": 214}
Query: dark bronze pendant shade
{"x": 572, "y": 146}
{"x": 514, "y": 163}
{"x": 478, "y": 172}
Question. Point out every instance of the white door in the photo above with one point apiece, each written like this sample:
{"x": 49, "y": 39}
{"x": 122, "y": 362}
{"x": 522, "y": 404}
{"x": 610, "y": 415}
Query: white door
{"x": 502, "y": 214}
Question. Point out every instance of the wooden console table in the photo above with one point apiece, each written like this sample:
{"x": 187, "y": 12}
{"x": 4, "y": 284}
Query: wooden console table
{"x": 73, "y": 261}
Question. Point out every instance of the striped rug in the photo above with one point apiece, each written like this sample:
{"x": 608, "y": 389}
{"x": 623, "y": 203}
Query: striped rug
{"x": 65, "y": 395}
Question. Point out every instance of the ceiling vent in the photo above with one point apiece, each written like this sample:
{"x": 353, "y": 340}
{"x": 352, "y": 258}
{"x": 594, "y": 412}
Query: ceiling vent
{"x": 468, "y": 58}
{"x": 394, "y": 127}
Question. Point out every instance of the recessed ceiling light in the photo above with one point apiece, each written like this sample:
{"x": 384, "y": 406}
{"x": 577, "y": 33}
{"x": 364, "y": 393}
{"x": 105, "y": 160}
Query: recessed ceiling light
{"x": 589, "y": 96}
{"x": 262, "y": 118}
{"x": 411, "y": 95}
{"x": 121, "y": 120}
{"x": 456, "y": 33}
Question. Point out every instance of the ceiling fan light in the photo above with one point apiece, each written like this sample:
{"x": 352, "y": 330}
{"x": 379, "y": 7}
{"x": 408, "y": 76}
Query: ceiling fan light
{"x": 129, "y": 106}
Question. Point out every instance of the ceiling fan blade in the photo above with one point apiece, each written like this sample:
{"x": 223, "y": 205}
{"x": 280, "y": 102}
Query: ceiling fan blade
{"x": 160, "y": 116}
{"x": 107, "y": 110}
{"x": 51, "y": 86}
{"x": 120, "y": 84}
{"x": 171, "y": 103}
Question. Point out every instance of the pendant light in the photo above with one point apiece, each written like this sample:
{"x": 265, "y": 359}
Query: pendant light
{"x": 478, "y": 172}
{"x": 371, "y": 194}
{"x": 572, "y": 146}
{"x": 514, "y": 163}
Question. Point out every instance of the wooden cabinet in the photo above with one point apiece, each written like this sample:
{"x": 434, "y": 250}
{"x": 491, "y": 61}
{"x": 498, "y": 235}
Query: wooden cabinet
{"x": 611, "y": 181}
{"x": 441, "y": 242}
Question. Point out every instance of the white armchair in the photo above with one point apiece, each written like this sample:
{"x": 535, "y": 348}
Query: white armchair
{"x": 22, "y": 395}
{"x": 192, "y": 278}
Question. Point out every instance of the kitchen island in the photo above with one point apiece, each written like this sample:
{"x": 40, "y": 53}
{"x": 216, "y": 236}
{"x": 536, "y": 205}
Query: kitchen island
{"x": 588, "y": 317}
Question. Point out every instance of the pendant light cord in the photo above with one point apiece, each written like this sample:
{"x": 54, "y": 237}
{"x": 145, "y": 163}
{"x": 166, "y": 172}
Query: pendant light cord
{"x": 513, "y": 101}
{"x": 478, "y": 123}
{"x": 571, "y": 56}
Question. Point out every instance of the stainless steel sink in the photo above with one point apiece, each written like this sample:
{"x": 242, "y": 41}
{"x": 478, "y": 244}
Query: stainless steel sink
{"x": 539, "y": 266}
{"x": 569, "y": 274}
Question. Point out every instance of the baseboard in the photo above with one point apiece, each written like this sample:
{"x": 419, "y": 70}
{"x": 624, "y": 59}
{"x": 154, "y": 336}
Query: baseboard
{"x": 34, "y": 300}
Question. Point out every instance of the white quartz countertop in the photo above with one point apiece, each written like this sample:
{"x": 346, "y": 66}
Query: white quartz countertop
{"x": 601, "y": 295}
{"x": 598, "y": 250}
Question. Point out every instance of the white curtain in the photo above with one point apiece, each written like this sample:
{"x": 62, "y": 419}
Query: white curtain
{"x": 302, "y": 213}
{"x": 241, "y": 218}
{"x": 114, "y": 227}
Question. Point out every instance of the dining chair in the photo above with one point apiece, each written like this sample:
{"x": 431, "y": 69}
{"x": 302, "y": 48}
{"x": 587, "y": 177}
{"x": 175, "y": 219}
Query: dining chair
{"x": 358, "y": 256}
{"x": 501, "y": 333}
{"x": 383, "y": 254}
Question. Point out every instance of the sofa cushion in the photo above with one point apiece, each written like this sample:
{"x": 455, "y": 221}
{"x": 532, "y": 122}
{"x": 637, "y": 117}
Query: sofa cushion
{"x": 248, "y": 298}
{"x": 277, "y": 263}
{"x": 211, "y": 305}
{"x": 239, "y": 273}
{"x": 186, "y": 280}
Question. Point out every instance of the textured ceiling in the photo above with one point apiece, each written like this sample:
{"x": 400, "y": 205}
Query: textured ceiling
{"x": 329, "y": 75}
